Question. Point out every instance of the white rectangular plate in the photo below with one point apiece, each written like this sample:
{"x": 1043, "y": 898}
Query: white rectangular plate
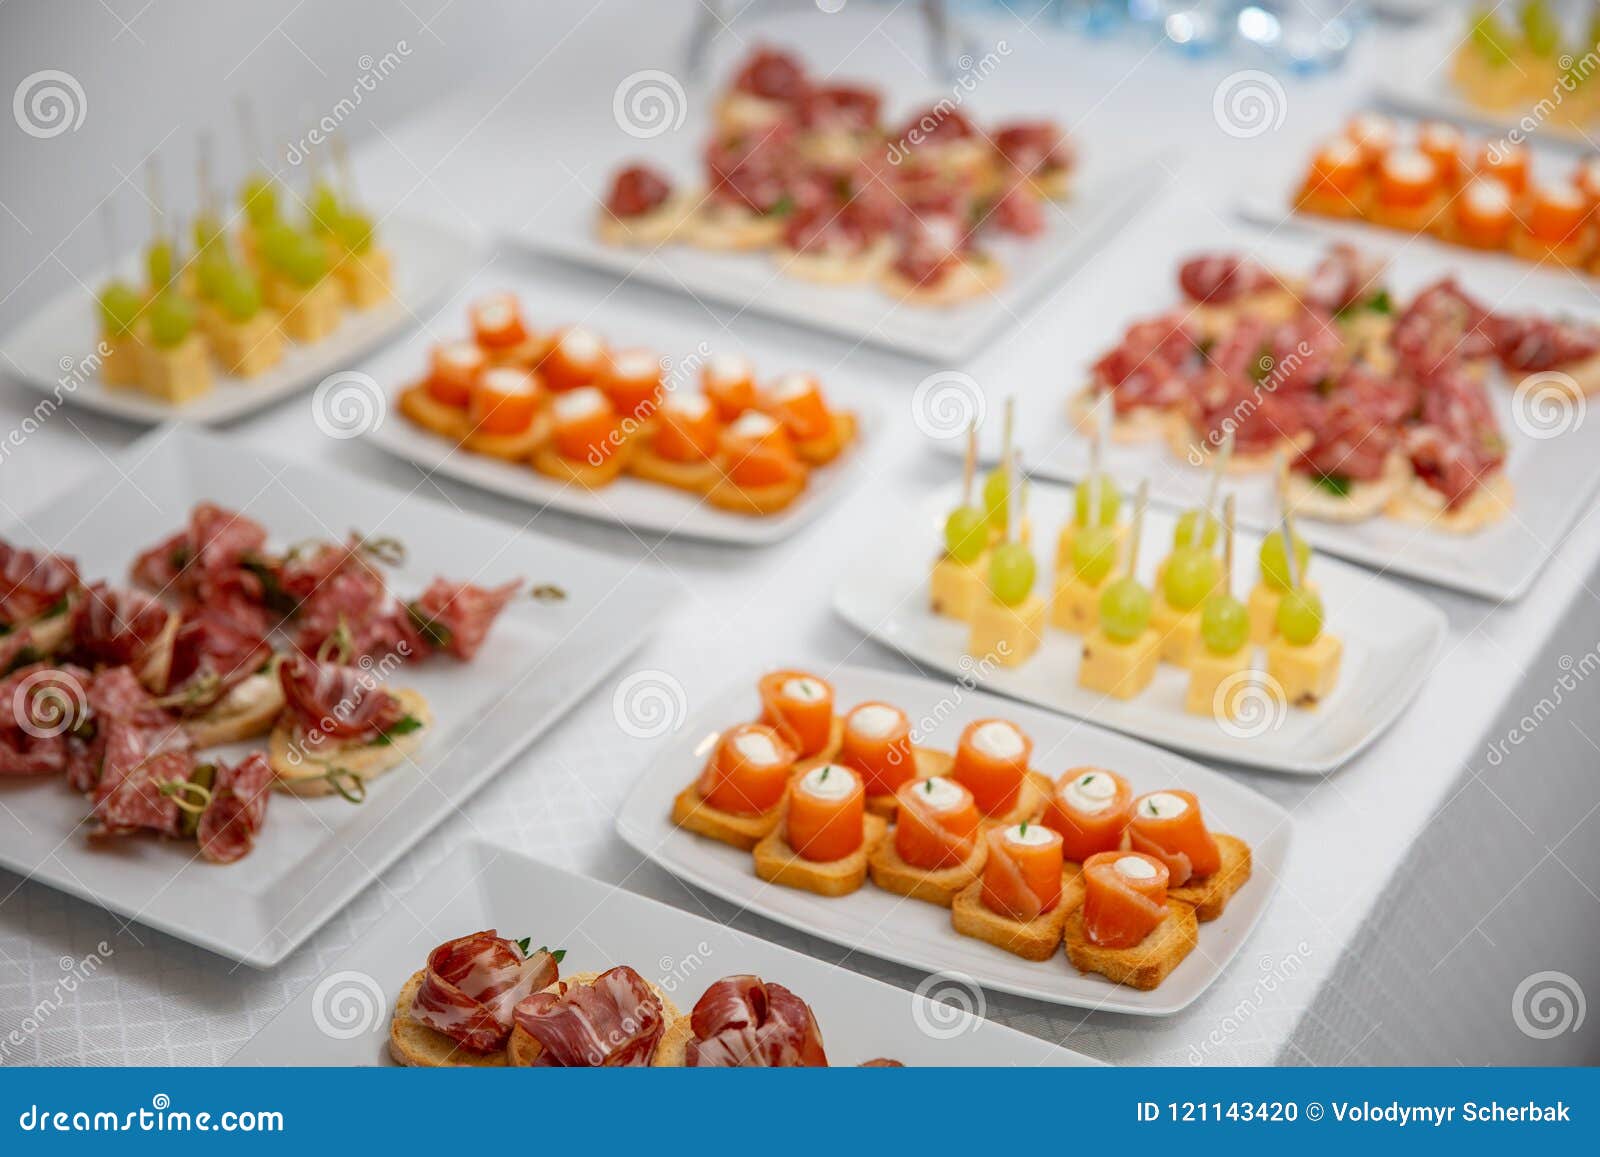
{"x": 918, "y": 934}
{"x": 314, "y": 855}
{"x": 343, "y": 1019}
{"x": 645, "y": 506}
{"x": 1105, "y": 199}
{"x": 1390, "y": 636}
{"x": 50, "y": 352}
{"x": 1553, "y": 476}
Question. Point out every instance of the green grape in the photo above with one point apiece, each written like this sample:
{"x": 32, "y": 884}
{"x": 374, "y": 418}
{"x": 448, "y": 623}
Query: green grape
{"x": 1275, "y": 567}
{"x": 306, "y": 261}
{"x": 211, "y": 270}
{"x": 322, "y": 208}
{"x": 1300, "y": 616}
{"x": 1540, "y": 28}
{"x": 160, "y": 262}
{"x": 1224, "y": 625}
{"x": 1094, "y": 553}
{"x": 275, "y": 243}
{"x": 355, "y": 232}
{"x": 239, "y": 294}
{"x": 171, "y": 320}
{"x": 965, "y": 533}
{"x": 1011, "y": 571}
{"x": 1124, "y": 609}
{"x": 1191, "y": 575}
{"x": 1183, "y": 534}
{"x": 259, "y": 199}
{"x": 997, "y": 497}
{"x": 1110, "y": 502}
{"x": 120, "y": 304}
{"x": 207, "y": 232}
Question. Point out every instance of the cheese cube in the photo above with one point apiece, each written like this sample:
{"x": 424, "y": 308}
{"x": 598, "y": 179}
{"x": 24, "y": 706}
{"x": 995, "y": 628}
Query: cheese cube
{"x": 1006, "y": 635}
{"x": 309, "y": 314}
{"x": 1120, "y": 670}
{"x": 119, "y": 360}
{"x": 365, "y": 277}
{"x": 1075, "y": 606}
{"x": 247, "y": 348}
{"x": 1307, "y": 674}
{"x": 177, "y": 374}
{"x": 1178, "y": 631}
{"x": 1208, "y": 672}
{"x": 957, "y": 587}
{"x": 1263, "y": 607}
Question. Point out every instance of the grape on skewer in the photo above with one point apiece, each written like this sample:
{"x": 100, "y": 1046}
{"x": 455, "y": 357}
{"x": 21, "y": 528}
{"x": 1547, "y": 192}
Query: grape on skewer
{"x": 1009, "y": 622}
{"x": 1215, "y": 666}
{"x": 1121, "y": 654}
{"x": 958, "y": 573}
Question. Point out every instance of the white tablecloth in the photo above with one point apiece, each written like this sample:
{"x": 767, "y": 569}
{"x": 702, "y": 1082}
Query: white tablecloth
{"x": 492, "y": 159}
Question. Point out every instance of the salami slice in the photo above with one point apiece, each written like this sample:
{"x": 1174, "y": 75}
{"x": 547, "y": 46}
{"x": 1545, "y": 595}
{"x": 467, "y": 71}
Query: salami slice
{"x": 332, "y": 702}
{"x": 33, "y": 584}
{"x": 232, "y": 820}
{"x": 455, "y": 617}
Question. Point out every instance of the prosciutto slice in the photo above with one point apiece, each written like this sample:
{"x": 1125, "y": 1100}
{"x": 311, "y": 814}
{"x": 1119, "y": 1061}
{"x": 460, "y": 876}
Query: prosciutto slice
{"x": 206, "y": 557}
{"x": 473, "y": 985}
{"x": 637, "y": 190}
{"x": 772, "y": 74}
{"x": 352, "y": 608}
{"x": 615, "y": 1021}
{"x": 1031, "y": 147}
{"x": 744, "y": 1022}
{"x": 840, "y": 108}
{"x": 1342, "y": 278}
{"x": 1442, "y": 328}
{"x": 212, "y": 654}
{"x": 41, "y": 708}
{"x": 115, "y": 627}
{"x": 1222, "y": 278}
{"x": 1530, "y": 345}
{"x": 33, "y": 584}
{"x": 1458, "y": 442}
{"x": 332, "y": 702}
{"x": 455, "y": 617}
{"x": 129, "y": 727}
{"x": 1152, "y": 365}
{"x": 238, "y": 807}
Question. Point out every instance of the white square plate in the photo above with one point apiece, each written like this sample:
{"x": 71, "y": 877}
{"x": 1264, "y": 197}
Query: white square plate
{"x": 1390, "y": 637}
{"x": 1106, "y": 198}
{"x": 1553, "y": 475}
{"x": 645, "y": 506}
{"x": 343, "y": 1019}
{"x": 51, "y": 351}
{"x": 314, "y": 855}
{"x": 919, "y": 934}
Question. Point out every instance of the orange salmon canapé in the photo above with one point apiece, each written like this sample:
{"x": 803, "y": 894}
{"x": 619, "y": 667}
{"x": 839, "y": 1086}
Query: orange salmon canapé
{"x": 1124, "y": 897}
{"x": 991, "y": 762}
{"x": 877, "y": 743}
{"x": 936, "y": 823}
{"x": 1022, "y": 878}
{"x": 1168, "y": 825}
{"x": 1090, "y": 807}
{"x": 748, "y": 771}
{"x": 827, "y": 814}
{"x": 799, "y": 707}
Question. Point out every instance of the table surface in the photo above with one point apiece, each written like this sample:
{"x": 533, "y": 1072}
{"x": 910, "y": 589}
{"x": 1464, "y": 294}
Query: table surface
{"x": 488, "y": 160}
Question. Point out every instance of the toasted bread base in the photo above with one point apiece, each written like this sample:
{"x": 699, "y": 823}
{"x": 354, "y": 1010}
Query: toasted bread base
{"x": 308, "y": 774}
{"x": 1036, "y": 939}
{"x": 656, "y": 227}
{"x": 547, "y": 460}
{"x": 930, "y": 765}
{"x": 522, "y": 1050}
{"x": 973, "y": 277}
{"x": 695, "y": 477}
{"x": 836, "y": 268}
{"x": 821, "y": 451}
{"x": 245, "y": 712}
{"x": 415, "y": 1044}
{"x": 433, "y": 415}
{"x": 1031, "y": 798}
{"x": 727, "y": 495}
{"x": 1146, "y": 964}
{"x": 690, "y": 810}
{"x": 732, "y": 229}
{"x": 1209, "y": 896}
{"x": 939, "y": 886}
{"x": 777, "y": 863}
{"x": 1420, "y": 503}
{"x": 510, "y": 447}
{"x": 1363, "y": 500}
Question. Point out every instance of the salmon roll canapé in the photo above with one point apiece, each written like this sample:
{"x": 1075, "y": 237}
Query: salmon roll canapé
{"x": 739, "y": 795}
{"x": 825, "y": 836}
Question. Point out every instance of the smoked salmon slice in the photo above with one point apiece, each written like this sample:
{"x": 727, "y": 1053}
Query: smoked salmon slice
{"x": 1124, "y": 897}
{"x": 799, "y": 707}
{"x": 827, "y": 814}
{"x": 1022, "y": 879}
{"x": 797, "y": 402}
{"x": 688, "y": 429}
{"x": 748, "y": 771}
{"x": 1090, "y": 807}
{"x": 877, "y": 743}
{"x": 991, "y": 762}
{"x": 453, "y": 367}
{"x": 936, "y": 824}
{"x": 1168, "y": 826}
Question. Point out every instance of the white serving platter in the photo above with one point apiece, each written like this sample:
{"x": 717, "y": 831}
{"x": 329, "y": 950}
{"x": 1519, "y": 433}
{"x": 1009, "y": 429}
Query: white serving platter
{"x": 644, "y": 506}
{"x": 52, "y": 351}
{"x": 1553, "y": 461}
{"x": 314, "y": 855}
{"x": 1106, "y": 197}
{"x": 343, "y": 1019}
{"x": 1391, "y": 638}
{"x": 918, "y": 934}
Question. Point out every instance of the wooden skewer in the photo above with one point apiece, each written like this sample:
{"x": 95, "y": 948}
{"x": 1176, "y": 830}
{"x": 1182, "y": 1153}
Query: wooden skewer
{"x": 208, "y": 204}
{"x": 1137, "y": 531}
{"x": 1219, "y": 467}
{"x": 152, "y": 188}
{"x": 1227, "y": 542}
{"x": 1007, "y": 457}
{"x": 969, "y": 469}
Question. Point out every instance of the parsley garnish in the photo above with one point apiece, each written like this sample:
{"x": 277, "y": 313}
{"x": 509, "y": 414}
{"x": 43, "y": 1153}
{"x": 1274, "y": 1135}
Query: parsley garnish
{"x": 405, "y": 725}
{"x": 1335, "y": 484}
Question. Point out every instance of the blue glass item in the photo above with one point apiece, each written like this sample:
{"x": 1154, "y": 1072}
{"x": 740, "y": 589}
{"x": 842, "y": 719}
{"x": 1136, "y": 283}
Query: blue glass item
{"x": 1303, "y": 36}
